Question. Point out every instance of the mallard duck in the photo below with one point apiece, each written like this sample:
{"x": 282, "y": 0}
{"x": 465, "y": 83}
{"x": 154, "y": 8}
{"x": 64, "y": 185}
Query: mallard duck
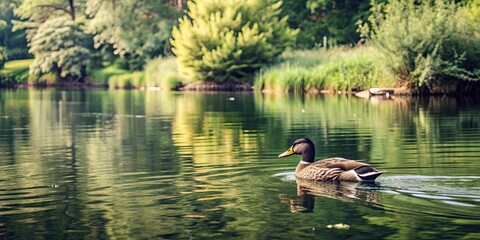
{"x": 337, "y": 169}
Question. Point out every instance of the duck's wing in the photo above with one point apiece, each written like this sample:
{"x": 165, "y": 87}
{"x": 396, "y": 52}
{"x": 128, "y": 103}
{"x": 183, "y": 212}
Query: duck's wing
{"x": 336, "y": 162}
{"x": 319, "y": 172}
{"x": 339, "y": 169}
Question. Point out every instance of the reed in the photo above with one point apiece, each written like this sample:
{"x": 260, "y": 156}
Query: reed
{"x": 339, "y": 68}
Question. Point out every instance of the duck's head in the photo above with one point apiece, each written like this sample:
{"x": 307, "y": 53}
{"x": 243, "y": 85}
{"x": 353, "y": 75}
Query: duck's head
{"x": 303, "y": 146}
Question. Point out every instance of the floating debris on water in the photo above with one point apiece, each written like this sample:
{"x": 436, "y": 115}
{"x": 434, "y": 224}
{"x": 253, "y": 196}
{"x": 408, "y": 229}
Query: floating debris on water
{"x": 194, "y": 216}
{"x": 231, "y": 99}
{"x": 339, "y": 226}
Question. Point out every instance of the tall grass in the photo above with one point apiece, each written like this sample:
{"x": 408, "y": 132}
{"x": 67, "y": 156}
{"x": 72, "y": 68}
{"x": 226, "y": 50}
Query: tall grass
{"x": 15, "y": 72}
{"x": 340, "y": 68}
{"x": 163, "y": 73}
{"x": 115, "y": 77}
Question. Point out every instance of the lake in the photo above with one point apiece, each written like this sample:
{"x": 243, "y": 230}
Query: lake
{"x": 106, "y": 164}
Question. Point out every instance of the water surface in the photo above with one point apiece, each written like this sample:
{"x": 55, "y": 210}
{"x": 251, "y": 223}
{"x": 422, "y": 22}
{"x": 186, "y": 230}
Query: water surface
{"x": 147, "y": 164}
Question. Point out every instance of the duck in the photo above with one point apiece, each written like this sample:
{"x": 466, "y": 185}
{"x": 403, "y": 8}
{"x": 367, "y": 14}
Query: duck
{"x": 330, "y": 169}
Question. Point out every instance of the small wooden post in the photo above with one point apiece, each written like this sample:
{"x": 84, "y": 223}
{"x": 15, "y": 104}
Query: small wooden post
{"x": 325, "y": 42}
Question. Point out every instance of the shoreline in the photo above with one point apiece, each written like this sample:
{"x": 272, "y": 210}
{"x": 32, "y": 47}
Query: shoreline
{"x": 213, "y": 87}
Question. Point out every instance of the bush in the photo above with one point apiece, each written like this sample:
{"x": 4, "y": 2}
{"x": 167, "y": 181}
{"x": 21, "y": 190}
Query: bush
{"x": 102, "y": 75}
{"x": 163, "y": 73}
{"x": 15, "y": 72}
{"x": 114, "y": 77}
{"x": 427, "y": 44}
{"x": 57, "y": 47}
{"x": 339, "y": 68}
{"x": 127, "y": 80}
{"x": 229, "y": 40}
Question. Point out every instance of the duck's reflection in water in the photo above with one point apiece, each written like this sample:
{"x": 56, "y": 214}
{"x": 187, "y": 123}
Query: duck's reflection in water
{"x": 307, "y": 190}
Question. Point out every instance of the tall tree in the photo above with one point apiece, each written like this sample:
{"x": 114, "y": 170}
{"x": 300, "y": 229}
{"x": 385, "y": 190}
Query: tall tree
{"x": 141, "y": 34}
{"x": 335, "y": 19}
{"x": 35, "y": 12}
{"x": 55, "y": 37}
{"x": 13, "y": 41}
{"x": 59, "y": 47}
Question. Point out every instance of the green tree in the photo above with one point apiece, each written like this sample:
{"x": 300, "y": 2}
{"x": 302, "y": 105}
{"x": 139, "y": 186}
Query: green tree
{"x": 137, "y": 36}
{"x": 334, "y": 19}
{"x": 14, "y": 41}
{"x": 229, "y": 40}
{"x": 58, "y": 47}
{"x": 34, "y": 13}
{"x": 433, "y": 43}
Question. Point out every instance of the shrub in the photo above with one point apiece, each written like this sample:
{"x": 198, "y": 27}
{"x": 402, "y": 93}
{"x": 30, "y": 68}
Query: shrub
{"x": 57, "y": 47}
{"x": 229, "y": 40}
{"x": 427, "y": 44}
{"x": 163, "y": 73}
{"x": 114, "y": 77}
{"x": 127, "y": 80}
{"x": 15, "y": 72}
{"x": 102, "y": 75}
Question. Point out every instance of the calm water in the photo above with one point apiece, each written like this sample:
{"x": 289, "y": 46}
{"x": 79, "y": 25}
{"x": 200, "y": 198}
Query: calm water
{"x": 146, "y": 164}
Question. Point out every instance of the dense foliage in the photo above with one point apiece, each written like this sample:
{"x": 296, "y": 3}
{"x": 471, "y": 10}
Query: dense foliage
{"x": 334, "y": 19}
{"x": 137, "y": 36}
{"x": 425, "y": 43}
{"x": 13, "y": 41}
{"x": 428, "y": 44}
{"x": 162, "y": 73}
{"x": 229, "y": 40}
{"x": 58, "y": 47}
{"x": 3, "y": 57}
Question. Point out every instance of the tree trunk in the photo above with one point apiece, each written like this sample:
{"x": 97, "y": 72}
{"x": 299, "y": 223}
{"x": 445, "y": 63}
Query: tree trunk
{"x": 72, "y": 9}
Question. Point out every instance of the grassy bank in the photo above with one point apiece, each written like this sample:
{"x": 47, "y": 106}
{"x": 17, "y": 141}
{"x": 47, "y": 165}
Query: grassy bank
{"x": 163, "y": 73}
{"x": 15, "y": 72}
{"x": 115, "y": 77}
{"x": 339, "y": 68}
{"x": 159, "y": 73}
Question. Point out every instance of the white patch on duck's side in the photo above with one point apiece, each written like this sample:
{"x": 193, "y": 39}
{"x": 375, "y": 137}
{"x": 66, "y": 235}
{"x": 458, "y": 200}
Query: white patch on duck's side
{"x": 352, "y": 171}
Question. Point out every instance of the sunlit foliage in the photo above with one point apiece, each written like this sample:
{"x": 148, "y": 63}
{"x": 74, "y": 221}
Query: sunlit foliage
{"x": 429, "y": 44}
{"x": 229, "y": 40}
{"x": 163, "y": 73}
{"x": 58, "y": 47}
{"x": 340, "y": 68}
{"x": 34, "y": 13}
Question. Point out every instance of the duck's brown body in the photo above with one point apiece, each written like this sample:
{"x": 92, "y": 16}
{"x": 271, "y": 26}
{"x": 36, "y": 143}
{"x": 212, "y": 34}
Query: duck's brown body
{"x": 336, "y": 169}
{"x": 331, "y": 169}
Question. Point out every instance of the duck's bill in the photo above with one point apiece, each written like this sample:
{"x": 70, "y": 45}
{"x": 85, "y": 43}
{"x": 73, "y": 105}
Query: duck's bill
{"x": 286, "y": 153}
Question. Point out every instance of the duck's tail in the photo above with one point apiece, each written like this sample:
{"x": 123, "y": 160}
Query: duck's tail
{"x": 370, "y": 176}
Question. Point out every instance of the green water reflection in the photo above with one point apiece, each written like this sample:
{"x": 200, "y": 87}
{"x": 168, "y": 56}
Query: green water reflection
{"x": 146, "y": 164}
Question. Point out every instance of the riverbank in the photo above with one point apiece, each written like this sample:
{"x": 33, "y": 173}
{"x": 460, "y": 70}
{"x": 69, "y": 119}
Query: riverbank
{"x": 341, "y": 70}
